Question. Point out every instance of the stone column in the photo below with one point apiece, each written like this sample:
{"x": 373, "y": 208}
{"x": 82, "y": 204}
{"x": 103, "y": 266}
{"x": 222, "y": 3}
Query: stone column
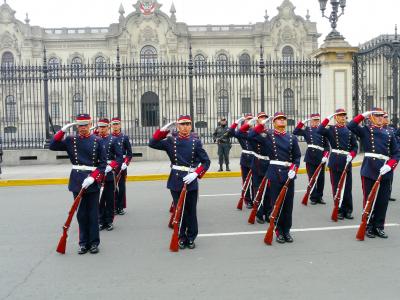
{"x": 336, "y": 75}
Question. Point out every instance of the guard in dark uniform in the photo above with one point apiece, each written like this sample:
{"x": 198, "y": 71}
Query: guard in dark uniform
{"x": 88, "y": 159}
{"x": 260, "y": 161}
{"x": 247, "y": 154}
{"x": 386, "y": 124}
{"x": 381, "y": 158}
{"x": 113, "y": 148}
{"x": 189, "y": 162}
{"x": 284, "y": 152}
{"x": 120, "y": 203}
{"x": 317, "y": 152}
{"x": 222, "y": 138}
{"x": 344, "y": 148}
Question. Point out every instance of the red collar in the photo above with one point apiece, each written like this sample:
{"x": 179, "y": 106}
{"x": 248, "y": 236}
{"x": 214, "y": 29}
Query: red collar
{"x": 84, "y": 136}
{"x": 279, "y": 132}
{"x": 183, "y": 137}
{"x": 340, "y": 126}
{"x": 103, "y": 136}
{"x": 374, "y": 126}
{"x": 117, "y": 134}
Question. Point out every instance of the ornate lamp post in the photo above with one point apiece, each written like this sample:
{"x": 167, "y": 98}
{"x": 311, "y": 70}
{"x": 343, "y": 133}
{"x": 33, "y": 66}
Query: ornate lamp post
{"x": 334, "y": 16}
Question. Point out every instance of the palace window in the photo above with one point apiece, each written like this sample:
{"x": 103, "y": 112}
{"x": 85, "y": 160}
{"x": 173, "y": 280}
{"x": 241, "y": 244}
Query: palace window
{"x": 7, "y": 63}
{"x": 54, "y": 67}
{"x": 223, "y": 104}
{"x": 150, "y": 109}
{"x": 200, "y": 106}
{"x": 148, "y": 55}
{"x": 245, "y": 63}
{"x": 287, "y": 53}
{"x": 101, "y": 109}
{"x": 222, "y": 63}
{"x": 288, "y": 102}
{"x": 77, "y": 104}
{"x": 199, "y": 63}
{"x": 100, "y": 66}
{"x": 11, "y": 109}
{"x": 55, "y": 110}
{"x": 76, "y": 67}
{"x": 246, "y": 105}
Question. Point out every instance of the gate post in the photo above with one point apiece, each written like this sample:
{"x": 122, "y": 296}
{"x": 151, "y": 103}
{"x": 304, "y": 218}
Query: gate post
{"x": 336, "y": 56}
{"x": 118, "y": 70}
{"x": 190, "y": 67}
{"x": 262, "y": 76}
{"x": 46, "y": 100}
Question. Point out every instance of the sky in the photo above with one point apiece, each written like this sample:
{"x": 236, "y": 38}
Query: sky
{"x": 362, "y": 20}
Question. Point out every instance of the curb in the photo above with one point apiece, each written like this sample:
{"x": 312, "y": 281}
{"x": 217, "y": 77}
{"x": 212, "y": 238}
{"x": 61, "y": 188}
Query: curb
{"x": 149, "y": 177}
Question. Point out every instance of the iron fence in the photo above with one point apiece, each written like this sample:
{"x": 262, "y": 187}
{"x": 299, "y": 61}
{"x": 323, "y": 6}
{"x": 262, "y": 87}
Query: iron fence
{"x": 148, "y": 95}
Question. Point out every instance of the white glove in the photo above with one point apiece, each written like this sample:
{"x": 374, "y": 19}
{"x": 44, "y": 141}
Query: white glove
{"x": 87, "y": 182}
{"x": 266, "y": 120}
{"x": 108, "y": 169}
{"x": 324, "y": 159}
{"x": 68, "y": 126}
{"x": 306, "y": 120}
{"x": 253, "y": 122}
{"x": 240, "y": 120}
{"x": 167, "y": 127}
{"x": 124, "y": 166}
{"x": 349, "y": 158}
{"x": 291, "y": 174}
{"x": 93, "y": 128}
{"x": 331, "y": 116}
{"x": 367, "y": 114}
{"x": 190, "y": 177}
{"x": 385, "y": 169}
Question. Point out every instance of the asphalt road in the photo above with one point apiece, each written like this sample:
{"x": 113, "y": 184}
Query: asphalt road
{"x": 135, "y": 262}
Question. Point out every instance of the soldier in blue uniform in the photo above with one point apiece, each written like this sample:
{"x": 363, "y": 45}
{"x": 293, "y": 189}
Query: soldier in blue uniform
{"x": 386, "y": 124}
{"x": 247, "y": 154}
{"x": 113, "y": 148}
{"x": 189, "y": 162}
{"x": 120, "y": 203}
{"x": 284, "y": 153}
{"x": 381, "y": 158}
{"x": 344, "y": 148}
{"x": 317, "y": 152}
{"x": 89, "y": 161}
{"x": 260, "y": 160}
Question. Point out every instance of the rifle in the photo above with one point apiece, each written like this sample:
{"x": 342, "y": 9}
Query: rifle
{"x": 177, "y": 222}
{"x": 277, "y": 209}
{"x": 339, "y": 194}
{"x": 171, "y": 218}
{"x": 369, "y": 208}
{"x": 63, "y": 240}
{"x": 257, "y": 201}
{"x": 311, "y": 184}
{"x": 245, "y": 187}
{"x": 103, "y": 183}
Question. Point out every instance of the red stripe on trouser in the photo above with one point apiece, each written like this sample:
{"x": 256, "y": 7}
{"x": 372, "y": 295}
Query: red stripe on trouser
{"x": 332, "y": 183}
{"x": 364, "y": 191}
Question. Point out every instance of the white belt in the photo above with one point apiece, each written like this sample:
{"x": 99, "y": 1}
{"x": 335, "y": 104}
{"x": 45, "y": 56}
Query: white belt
{"x": 316, "y": 147}
{"x": 375, "y": 155}
{"x": 280, "y": 163}
{"x": 83, "y": 168}
{"x": 247, "y": 152}
{"x": 337, "y": 151}
{"x": 183, "y": 168}
{"x": 260, "y": 156}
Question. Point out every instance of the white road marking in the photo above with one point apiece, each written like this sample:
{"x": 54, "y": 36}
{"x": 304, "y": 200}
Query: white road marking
{"x": 292, "y": 230}
{"x": 237, "y": 194}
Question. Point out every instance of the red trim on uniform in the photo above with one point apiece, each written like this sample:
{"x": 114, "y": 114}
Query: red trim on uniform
{"x": 234, "y": 125}
{"x": 97, "y": 175}
{"x": 244, "y": 128}
{"x": 358, "y": 119}
{"x": 294, "y": 168}
{"x": 325, "y": 122}
{"x": 59, "y": 136}
{"x": 392, "y": 163}
{"x": 326, "y": 153}
{"x": 259, "y": 128}
{"x": 300, "y": 125}
{"x": 113, "y": 164}
{"x": 160, "y": 135}
{"x": 353, "y": 154}
{"x": 127, "y": 160}
{"x": 363, "y": 189}
{"x": 200, "y": 172}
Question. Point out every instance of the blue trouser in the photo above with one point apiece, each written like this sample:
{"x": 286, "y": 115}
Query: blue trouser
{"x": 106, "y": 210}
{"x": 347, "y": 204}
{"x": 318, "y": 191}
{"x": 120, "y": 196}
{"x": 378, "y": 215}
{"x": 285, "y": 217}
{"x": 245, "y": 172}
{"x": 189, "y": 227}
{"x": 88, "y": 219}
{"x": 265, "y": 208}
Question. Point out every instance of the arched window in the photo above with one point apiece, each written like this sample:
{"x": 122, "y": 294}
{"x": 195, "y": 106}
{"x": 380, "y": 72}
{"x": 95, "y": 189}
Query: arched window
{"x": 288, "y": 102}
{"x": 244, "y": 63}
{"x": 150, "y": 109}
{"x": 101, "y": 109}
{"x": 287, "y": 53}
{"x": 54, "y": 66}
{"x": 76, "y": 66}
{"x": 222, "y": 62}
{"x": 223, "y": 103}
{"x": 7, "y": 59}
{"x": 11, "y": 109}
{"x": 77, "y": 104}
{"x": 199, "y": 63}
{"x": 148, "y": 55}
{"x": 100, "y": 66}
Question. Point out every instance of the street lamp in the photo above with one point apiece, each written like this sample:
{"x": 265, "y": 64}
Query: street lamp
{"x": 334, "y": 16}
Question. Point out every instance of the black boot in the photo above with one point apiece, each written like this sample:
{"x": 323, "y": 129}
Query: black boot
{"x": 220, "y": 168}
{"x": 227, "y": 168}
